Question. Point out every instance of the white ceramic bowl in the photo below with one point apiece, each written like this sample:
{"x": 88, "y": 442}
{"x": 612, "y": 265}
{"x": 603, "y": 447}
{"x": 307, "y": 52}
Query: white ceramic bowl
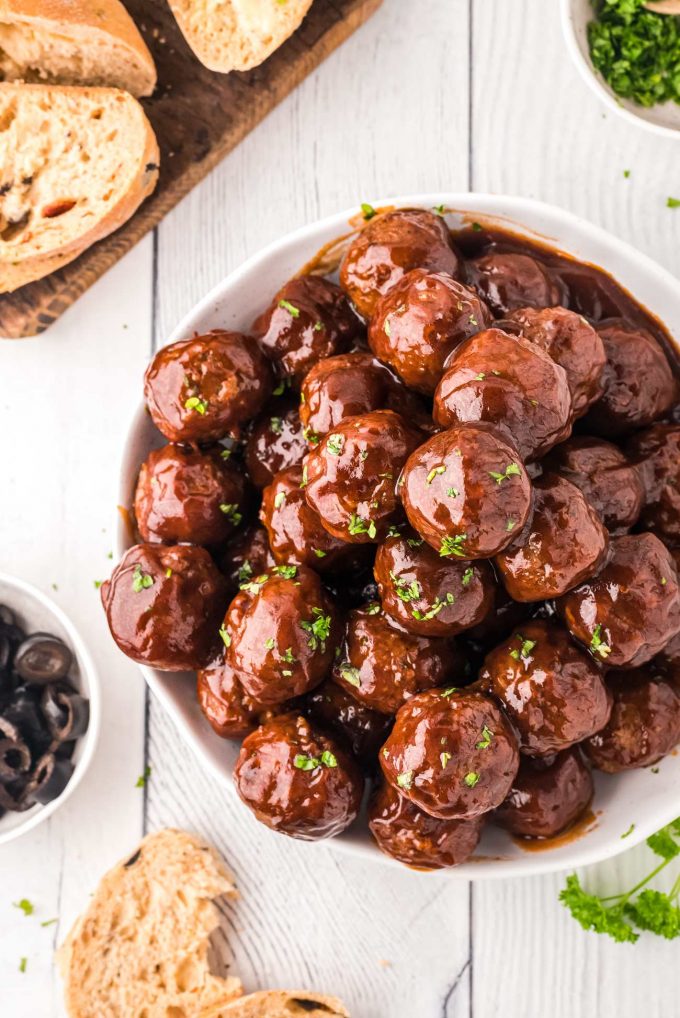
{"x": 35, "y": 612}
{"x": 645, "y": 799}
{"x": 664, "y": 118}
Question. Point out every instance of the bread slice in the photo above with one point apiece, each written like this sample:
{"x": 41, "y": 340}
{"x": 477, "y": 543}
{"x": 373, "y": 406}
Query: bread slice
{"x": 281, "y": 1004}
{"x": 141, "y": 948}
{"x": 75, "y": 163}
{"x": 235, "y": 35}
{"x": 74, "y": 42}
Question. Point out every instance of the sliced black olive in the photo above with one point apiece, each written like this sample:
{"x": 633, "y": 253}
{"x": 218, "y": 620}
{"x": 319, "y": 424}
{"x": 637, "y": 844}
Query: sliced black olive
{"x": 64, "y": 750}
{"x": 15, "y": 800}
{"x": 66, "y": 712}
{"x": 15, "y": 760}
{"x": 23, "y": 711}
{"x": 6, "y": 615}
{"x": 50, "y": 778}
{"x": 42, "y": 658}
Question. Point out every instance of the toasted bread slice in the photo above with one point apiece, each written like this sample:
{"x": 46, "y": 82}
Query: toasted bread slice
{"x": 75, "y": 163}
{"x": 141, "y": 947}
{"x": 281, "y": 1004}
{"x": 235, "y": 35}
{"x": 74, "y": 42}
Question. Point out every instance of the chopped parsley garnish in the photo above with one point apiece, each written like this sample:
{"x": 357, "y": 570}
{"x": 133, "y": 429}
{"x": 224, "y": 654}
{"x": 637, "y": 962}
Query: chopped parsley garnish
{"x": 629, "y": 831}
{"x": 318, "y": 628}
{"x": 49, "y": 922}
{"x": 311, "y": 436}
{"x": 626, "y": 174}
{"x": 480, "y": 377}
{"x": 387, "y": 328}
{"x": 405, "y": 780}
{"x": 350, "y": 674}
{"x": 453, "y": 546}
{"x": 405, "y": 593}
{"x": 288, "y": 656}
{"x": 373, "y": 608}
{"x": 25, "y": 905}
{"x": 97, "y": 584}
{"x": 197, "y": 404}
{"x": 329, "y": 759}
{"x": 471, "y": 779}
{"x": 226, "y": 638}
{"x": 253, "y": 587}
{"x": 231, "y": 511}
{"x": 433, "y": 473}
{"x": 524, "y": 650}
{"x": 367, "y": 210}
{"x": 432, "y": 612}
{"x": 304, "y": 762}
{"x": 276, "y": 425}
{"x": 620, "y": 916}
{"x": 287, "y": 572}
{"x": 597, "y": 644}
{"x": 319, "y": 553}
{"x": 485, "y": 741}
{"x": 303, "y": 482}
{"x": 334, "y": 444}
{"x": 510, "y": 525}
{"x": 414, "y": 542}
{"x": 467, "y": 576}
{"x": 452, "y": 492}
{"x": 357, "y": 525}
{"x": 22, "y": 964}
{"x": 476, "y": 227}
{"x": 512, "y": 470}
{"x": 444, "y": 758}
{"x": 439, "y": 209}
{"x": 269, "y": 644}
{"x": 673, "y": 203}
{"x": 281, "y": 387}
{"x": 143, "y": 778}
{"x": 449, "y": 691}
{"x": 245, "y": 572}
{"x": 279, "y": 499}
{"x": 141, "y": 581}
{"x": 290, "y": 308}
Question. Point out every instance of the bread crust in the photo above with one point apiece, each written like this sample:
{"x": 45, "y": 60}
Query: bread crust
{"x": 84, "y": 17}
{"x": 18, "y": 271}
{"x": 280, "y": 1004}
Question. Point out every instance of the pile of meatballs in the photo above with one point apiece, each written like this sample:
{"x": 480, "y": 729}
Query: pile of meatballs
{"x": 418, "y": 530}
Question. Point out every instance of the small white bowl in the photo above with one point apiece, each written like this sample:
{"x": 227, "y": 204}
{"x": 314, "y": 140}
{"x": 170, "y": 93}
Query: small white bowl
{"x": 642, "y": 798}
{"x": 35, "y": 612}
{"x": 663, "y": 119}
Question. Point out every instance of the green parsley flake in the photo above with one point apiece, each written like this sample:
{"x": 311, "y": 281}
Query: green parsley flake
{"x": 387, "y": 328}
{"x": 279, "y": 499}
{"x": 373, "y": 608}
{"x": 141, "y": 581}
{"x": 269, "y": 644}
{"x": 485, "y": 741}
{"x": 444, "y": 758}
{"x": 449, "y": 691}
{"x": 350, "y": 674}
{"x": 49, "y": 922}
{"x": 303, "y": 762}
{"x": 319, "y": 553}
{"x": 452, "y": 492}
{"x": 254, "y": 586}
{"x": 471, "y": 779}
{"x": 432, "y": 612}
{"x": 357, "y": 525}
{"x": 318, "y": 628}
{"x": 290, "y": 308}
{"x": 231, "y": 511}
{"x": 303, "y": 482}
{"x": 673, "y": 203}
{"x": 311, "y": 436}
{"x": 597, "y": 644}
{"x": 245, "y": 572}
{"x": 287, "y": 572}
{"x": 439, "y": 209}
{"x": 405, "y": 593}
{"x": 329, "y": 759}
{"x": 405, "y": 780}
{"x": 510, "y": 525}
{"x": 25, "y": 905}
{"x": 480, "y": 377}
{"x": 197, "y": 404}
{"x": 467, "y": 576}
{"x": 433, "y": 473}
{"x": 143, "y": 778}
{"x": 318, "y": 326}
{"x": 334, "y": 444}
{"x": 476, "y": 227}
{"x": 22, "y": 964}
{"x": 629, "y": 831}
{"x": 367, "y": 211}
{"x": 525, "y": 649}
{"x": 453, "y": 546}
{"x": 226, "y": 638}
{"x": 512, "y": 470}
{"x": 276, "y": 425}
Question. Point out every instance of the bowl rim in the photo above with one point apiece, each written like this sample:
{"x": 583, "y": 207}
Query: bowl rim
{"x": 595, "y": 81}
{"x": 91, "y": 737}
{"x": 512, "y": 211}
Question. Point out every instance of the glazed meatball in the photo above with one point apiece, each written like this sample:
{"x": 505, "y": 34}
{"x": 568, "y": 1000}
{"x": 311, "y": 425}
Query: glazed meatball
{"x": 348, "y": 386}
{"x": 413, "y": 837}
{"x": 644, "y": 725}
{"x": 551, "y": 690}
{"x": 418, "y": 323}
{"x": 547, "y": 796}
{"x": 610, "y": 483}
{"x": 184, "y": 495}
{"x": 224, "y": 702}
{"x": 638, "y": 382}
{"x": 508, "y": 281}
{"x": 383, "y": 667}
{"x": 352, "y": 475}
{"x": 275, "y": 443}
{"x": 466, "y": 492}
{"x": 631, "y": 609}
{"x": 563, "y": 544}
{"x": 247, "y": 555}
{"x": 509, "y": 382}
{"x": 199, "y": 390}
{"x": 309, "y": 318}
{"x": 296, "y": 533}
{"x": 164, "y": 606}
{"x": 389, "y": 246}
{"x": 453, "y": 754}
{"x": 657, "y": 455}
{"x": 298, "y": 781}
{"x": 430, "y": 595}
{"x": 571, "y": 342}
{"x": 363, "y": 730}
{"x": 281, "y": 632}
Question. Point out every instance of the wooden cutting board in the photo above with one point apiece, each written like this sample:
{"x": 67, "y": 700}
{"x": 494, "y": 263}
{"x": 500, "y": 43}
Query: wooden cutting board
{"x": 199, "y": 116}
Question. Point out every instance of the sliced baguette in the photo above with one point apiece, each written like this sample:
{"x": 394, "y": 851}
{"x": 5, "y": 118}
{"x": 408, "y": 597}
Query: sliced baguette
{"x": 74, "y": 42}
{"x": 235, "y": 35}
{"x": 281, "y": 1004}
{"x": 75, "y": 163}
{"x": 141, "y": 948}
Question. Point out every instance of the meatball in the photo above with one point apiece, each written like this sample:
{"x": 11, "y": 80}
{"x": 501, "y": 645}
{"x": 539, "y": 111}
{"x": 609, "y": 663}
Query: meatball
{"x": 510, "y": 382}
{"x": 420, "y": 321}
{"x": 224, "y": 702}
{"x": 657, "y": 455}
{"x": 281, "y": 632}
{"x": 508, "y": 281}
{"x": 430, "y": 595}
{"x": 638, "y": 382}
{"x": 184, "y": 495}
{"x": 298, "y": 781}
{"x": 413, "y": 837}
{"x": 389, "y": 246}
{"x": 466, "y": 492}
{"x": 200, "y": 389}
{"x": 275, "y": 443}
{"x": 164, "y": 606}
{"x": 547, "y": 796}
{"x": 383, "y": 667}
{"x": 631, "y": 609}
{"x": 352, "y": 475}
{"x": 551, "y": 690}
{"x": 309, "y": 318}
{"x": 563, "y": 544}
{"x": 350, "y": 385}
{"x": 453, "y": 754}
{"x": 296, "y": 533}
{"x": 644, "y": 725}
{"x": 610, "y": 483}
{"x": 247, "y": 555}
{"x": 335, "y": 710}
{"x": 571, "y": 342}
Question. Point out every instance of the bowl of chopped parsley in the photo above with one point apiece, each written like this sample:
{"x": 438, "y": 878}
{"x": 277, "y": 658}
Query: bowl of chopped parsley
{"x": 630, "y": 57}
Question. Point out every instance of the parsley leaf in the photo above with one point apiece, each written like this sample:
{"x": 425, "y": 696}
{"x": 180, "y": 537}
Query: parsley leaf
{"x": 453, "y": 546}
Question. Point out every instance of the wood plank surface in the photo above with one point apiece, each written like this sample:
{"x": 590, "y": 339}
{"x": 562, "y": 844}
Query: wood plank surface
{"x": 198, "y": 116}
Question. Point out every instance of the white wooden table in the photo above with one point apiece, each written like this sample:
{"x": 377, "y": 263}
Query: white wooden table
{"x": 450, "y": 94}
